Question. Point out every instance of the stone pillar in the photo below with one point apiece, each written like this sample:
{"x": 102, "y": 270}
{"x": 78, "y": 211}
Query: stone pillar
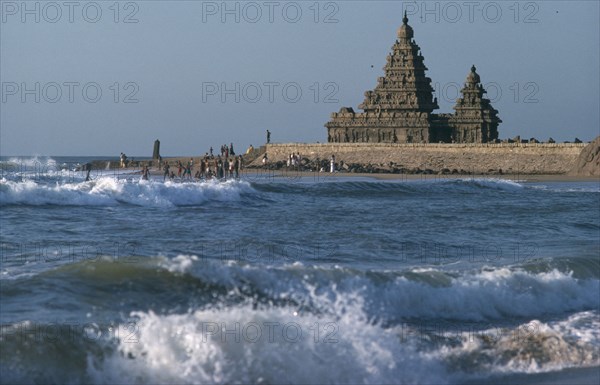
{"x": 156, "y": 152}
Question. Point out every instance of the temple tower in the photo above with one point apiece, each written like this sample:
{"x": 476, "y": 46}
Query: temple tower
{"x": 399, "y": 108}
{"x": 475, "y": 120}
{"x": 404, "y": 88}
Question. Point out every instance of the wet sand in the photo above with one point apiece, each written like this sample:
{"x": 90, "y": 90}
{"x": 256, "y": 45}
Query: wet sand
{"x": 382, "y": 176}
{"x": 322, "y": 176}
{"x": 261, "y": 173}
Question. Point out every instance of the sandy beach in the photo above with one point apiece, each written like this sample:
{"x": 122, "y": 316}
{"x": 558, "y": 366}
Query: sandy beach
{"x": 255, "y": 173}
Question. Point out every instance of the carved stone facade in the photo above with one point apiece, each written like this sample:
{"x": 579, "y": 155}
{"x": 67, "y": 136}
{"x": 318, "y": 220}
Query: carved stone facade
{"x": 399, "y": 109}
{"x": 475, "y": 120}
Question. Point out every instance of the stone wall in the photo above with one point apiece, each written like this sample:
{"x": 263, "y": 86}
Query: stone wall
{"x": 530, "y": 158}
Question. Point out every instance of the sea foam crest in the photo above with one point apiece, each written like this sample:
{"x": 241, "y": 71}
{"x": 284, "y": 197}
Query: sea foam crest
{"x": 246, "y": 344}
{"x": 479, "y": 295}
{"x": 110, "y": 191}
{"x": 484, "y": 183}
{"x": 243, "y": 344}
{"x": 31, "y": 162}
{"x": 532, "y": 347}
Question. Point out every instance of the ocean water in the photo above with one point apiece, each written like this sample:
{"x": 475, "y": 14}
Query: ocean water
{"x": 296, "y": 279}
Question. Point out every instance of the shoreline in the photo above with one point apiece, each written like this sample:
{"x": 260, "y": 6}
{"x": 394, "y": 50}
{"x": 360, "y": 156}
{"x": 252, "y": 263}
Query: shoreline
{"x": 517, "y": 161}
{"x": 279, "y": 174}
{"x": 282, "y": 174}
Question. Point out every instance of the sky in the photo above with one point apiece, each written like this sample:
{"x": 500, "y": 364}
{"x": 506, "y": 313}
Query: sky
{"x": 97, "y": 78}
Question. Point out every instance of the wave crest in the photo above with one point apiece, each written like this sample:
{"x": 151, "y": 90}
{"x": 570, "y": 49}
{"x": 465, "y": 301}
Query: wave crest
{"x": 110, "y": 191}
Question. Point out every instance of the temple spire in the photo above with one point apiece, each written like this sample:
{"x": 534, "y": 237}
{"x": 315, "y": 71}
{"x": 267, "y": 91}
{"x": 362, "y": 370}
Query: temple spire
{"x": 475, "y": 120}
{"x": 405, "y": 31}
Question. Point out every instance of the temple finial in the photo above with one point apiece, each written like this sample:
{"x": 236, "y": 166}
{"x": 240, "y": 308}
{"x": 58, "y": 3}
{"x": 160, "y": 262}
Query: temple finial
{"x": 405, "y": 19}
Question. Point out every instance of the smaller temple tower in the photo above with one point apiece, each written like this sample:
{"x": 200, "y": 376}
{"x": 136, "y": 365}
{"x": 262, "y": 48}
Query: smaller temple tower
{"x": 475, "y": 120}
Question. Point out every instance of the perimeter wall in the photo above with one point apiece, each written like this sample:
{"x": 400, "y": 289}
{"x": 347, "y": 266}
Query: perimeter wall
{"x": 530, "y": 158}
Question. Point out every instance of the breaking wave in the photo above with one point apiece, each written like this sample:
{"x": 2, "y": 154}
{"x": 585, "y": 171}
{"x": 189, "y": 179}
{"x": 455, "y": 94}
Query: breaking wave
{"x": 306, "y": 324}
{"x": 109, "y": 191}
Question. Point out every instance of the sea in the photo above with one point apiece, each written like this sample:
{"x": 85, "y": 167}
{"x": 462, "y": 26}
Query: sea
{"x": 300, "y": 278}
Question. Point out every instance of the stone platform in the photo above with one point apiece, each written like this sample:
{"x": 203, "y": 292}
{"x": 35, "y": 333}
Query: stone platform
{"x": 480, "y": 158}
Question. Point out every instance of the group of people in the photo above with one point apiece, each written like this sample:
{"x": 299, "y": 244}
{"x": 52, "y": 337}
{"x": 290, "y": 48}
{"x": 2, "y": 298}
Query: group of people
{"x": 226, "y": 151}
{"x": 123, "y": 160}
{"x": 294, "y": 160}
{"x": 210, "y": 167}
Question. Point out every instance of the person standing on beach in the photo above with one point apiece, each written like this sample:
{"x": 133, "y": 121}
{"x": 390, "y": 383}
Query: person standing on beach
{"x": 219, "y": 168}
{"x": 166, "y": 168}
{"x": 226, "y": 166}
{"x": 87, "y": 167}
{"x": 203, "y": 163}
{"x": 231, "y": 167}
{"x": 190, "y": 168}
{"x": 179, "y": 168}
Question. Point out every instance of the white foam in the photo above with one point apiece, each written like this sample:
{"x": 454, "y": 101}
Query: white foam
{"x": 532, "y": 347}
{"x": 494, "y": 183}
{"x": 264, "y": 345}
{"x": 573, "y": 187}
{"x": 33, "y": 162}
{"x": 110, "y": 191}
{"x": 179, "y": 264}
{"x": 222, "y": 344}
{"x": 488, "y": 294}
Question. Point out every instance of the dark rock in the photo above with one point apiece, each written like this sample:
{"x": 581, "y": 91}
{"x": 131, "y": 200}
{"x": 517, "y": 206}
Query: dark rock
{"x": 588, "y": 163}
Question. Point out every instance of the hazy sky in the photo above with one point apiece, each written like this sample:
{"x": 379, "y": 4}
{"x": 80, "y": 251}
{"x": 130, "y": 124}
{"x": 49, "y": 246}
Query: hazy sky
{"x": 98, "y": 78}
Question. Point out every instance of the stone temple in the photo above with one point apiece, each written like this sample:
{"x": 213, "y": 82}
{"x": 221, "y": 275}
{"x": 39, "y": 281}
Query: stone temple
{"x": 400, "y": 108}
